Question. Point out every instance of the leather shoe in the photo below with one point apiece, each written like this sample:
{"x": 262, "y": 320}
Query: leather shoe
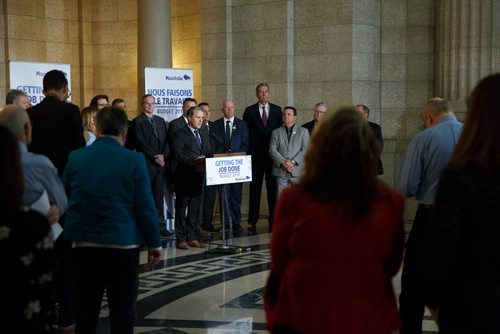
{"x": 165, "y": 233}
{"x": 252, "y": 230}
{"x": 182, "y": 245}
{"x": 211, "y": 228}
{"x": 203, "y": 234}
{"x": 196, "y": 244}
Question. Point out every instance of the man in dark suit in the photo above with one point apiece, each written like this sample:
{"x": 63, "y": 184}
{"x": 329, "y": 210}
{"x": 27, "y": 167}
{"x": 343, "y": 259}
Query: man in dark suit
{"x": 377, "y": 130}
{"x": 261, "y": 118}
{"x": 182, "y": 120}
{"x": 173, "y": 126}
{"x": 57, "y": 125}
{"x": 209, "y": 192}
{"x": 57, "y": 130}
{"x": 191, "y": 146}
{"x": 319, "y": 111}
{"x": 151, "y": 139}
{"x": 235, "y": 134}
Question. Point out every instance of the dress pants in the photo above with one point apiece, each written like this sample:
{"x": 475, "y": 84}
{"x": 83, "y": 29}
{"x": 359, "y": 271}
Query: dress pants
{"x": 284, "y": 181}
{"x": 209, "y": 195}
{"x": 186, "y": 226}
{"x": 65, "y": 281}
{"x": 158, "y": 187}
{"x": 115, "y": 270}
{"x": 411, "y": 299}
{"x": 234, "y": 191}
{"x": 261, "y": 166}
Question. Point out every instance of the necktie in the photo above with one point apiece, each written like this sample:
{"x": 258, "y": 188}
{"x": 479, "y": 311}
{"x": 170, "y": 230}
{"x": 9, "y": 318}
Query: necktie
{"x": 228, "y": 135}
{"x": 264, "y": 116}
{"x": 155, "y": 129}
{"x": 289, "y": 133}
{"x": 198, "y": 138}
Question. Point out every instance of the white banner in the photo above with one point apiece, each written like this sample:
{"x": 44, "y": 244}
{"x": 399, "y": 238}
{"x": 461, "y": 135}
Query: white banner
{"x": 169, "y": 86}
{"x": 28, "y": 77}
{"x": 232, "y": 169}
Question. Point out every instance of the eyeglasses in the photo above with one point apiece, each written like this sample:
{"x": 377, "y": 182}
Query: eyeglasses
{"x": 68, "y": 94}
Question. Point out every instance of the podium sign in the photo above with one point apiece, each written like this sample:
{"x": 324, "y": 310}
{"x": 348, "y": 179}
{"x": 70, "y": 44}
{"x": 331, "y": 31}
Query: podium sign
{"x": 229, "y": 169}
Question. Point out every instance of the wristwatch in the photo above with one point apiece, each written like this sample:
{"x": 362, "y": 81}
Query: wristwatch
{"x": 294, "y": 163}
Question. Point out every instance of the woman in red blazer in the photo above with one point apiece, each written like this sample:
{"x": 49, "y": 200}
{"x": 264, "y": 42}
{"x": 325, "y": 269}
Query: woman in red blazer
{"x": 338, "y": 238}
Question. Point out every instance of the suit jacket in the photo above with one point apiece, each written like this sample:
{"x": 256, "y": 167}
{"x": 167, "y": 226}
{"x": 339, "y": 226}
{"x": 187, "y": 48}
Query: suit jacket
{"x": 149, "y": 144}
{"x": 216, "y": 142}
{"x": 346, "y": 289}
{"x": 281, "y": 149}
{"x": 239, "y": 135}
{"x": 110, "y": 199}
{"x": 175, "y": 125}
{"x": 377, "y": 130}
{"x": 189, "y": 178}
{"x": 309, "y": 126}
{"x": 260, "y": 135}
{"x": 57, "y": 130}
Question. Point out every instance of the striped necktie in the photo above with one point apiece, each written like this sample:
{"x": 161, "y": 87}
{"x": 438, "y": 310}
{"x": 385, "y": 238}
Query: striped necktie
{"x": 155, "y": 129}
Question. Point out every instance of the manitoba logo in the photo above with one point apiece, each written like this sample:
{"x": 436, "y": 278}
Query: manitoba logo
{"x": 177, "y": 77}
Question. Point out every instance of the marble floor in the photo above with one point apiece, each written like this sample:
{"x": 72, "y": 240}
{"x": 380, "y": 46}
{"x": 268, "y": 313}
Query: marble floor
{"x": 214, "y": 292}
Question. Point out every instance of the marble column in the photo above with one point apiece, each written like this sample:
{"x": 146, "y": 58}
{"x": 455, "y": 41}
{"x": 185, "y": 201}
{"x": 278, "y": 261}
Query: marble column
{"x": 154, "y": 41}
{"x": 467, "y": 47}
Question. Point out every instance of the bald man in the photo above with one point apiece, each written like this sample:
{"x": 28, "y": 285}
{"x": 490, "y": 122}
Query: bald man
{"x": 39, "y": 172}
{"x": 418, "y": 176}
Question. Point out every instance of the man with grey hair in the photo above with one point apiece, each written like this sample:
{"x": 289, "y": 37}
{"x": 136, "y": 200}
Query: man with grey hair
{"x": 40, "y": 175}
{"x": 418, "y": 176}
{"x": 319, "y": 110}
{"x": 18, "y": 98}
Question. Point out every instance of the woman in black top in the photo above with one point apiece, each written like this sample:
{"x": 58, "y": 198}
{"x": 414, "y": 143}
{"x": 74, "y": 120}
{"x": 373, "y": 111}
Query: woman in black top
{"x": 462, "y": 250}
{"x": 26, "y": 251}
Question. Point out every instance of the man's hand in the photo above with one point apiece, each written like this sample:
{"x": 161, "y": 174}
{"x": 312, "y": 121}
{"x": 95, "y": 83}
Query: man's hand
{"x": 435, "y": 315}
{"x": 160, "y": 160}
{"x": 154, "y": 256}
{"x": 287, "y": 165}
{"x": 54, "y": 214}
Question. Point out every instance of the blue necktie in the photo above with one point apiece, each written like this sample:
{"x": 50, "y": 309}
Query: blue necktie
{"x": 198, "y": 138}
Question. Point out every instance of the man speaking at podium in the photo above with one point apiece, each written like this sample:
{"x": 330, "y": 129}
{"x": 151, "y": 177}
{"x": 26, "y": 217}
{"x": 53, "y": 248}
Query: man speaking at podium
{"x": 234, "y": 132}
{"x": 190, "y": 146}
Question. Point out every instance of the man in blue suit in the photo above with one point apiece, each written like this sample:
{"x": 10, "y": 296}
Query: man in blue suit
{"x": 261, "y": 118}
{"x": 111, "y": 214}
{"x": 234, "y": 132}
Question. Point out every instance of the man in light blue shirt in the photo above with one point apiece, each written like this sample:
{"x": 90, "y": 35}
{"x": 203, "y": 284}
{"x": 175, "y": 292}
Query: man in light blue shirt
{"x": 40, "y": 175}
{"x": 418, "y": 176}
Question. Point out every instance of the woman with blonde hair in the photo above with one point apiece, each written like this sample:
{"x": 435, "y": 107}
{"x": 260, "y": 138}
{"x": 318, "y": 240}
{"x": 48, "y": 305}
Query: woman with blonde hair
{"x": 338, "y": 238}
{"x": 462, "y": 252}
{"x": 88, "y": 115}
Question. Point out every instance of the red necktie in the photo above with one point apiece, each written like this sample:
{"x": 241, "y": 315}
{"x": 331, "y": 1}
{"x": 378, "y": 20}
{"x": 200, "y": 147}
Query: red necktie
{"x": 264, "y": 116}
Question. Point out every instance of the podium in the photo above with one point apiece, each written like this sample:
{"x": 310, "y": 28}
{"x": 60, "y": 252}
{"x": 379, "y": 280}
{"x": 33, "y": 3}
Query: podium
{"x": 221, "y": 170}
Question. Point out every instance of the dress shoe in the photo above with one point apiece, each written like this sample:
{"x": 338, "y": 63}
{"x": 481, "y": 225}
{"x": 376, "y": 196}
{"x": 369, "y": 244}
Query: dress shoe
{"x": 203, "y": 234}
{"x": 196, "y": 244}
{"x": 165, "y": 233}
{"x": 182, "y": 245}
{"x": 252, "y": 230}
{"x": 211, "y": 228}
{"x": 67, "y": 329}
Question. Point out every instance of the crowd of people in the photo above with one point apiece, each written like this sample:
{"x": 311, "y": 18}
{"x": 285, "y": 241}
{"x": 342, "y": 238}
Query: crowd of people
{"x": 338, "y": 235}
